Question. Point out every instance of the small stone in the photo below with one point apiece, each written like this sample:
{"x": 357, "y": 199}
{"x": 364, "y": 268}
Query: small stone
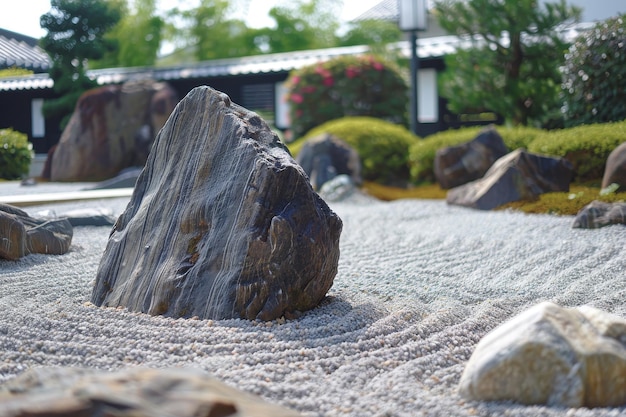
{"x": 600, "y": 214}
{"x": 21, "y": 234}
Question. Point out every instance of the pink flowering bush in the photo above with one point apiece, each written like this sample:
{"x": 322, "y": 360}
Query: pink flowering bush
{"x": 346, "y": 86}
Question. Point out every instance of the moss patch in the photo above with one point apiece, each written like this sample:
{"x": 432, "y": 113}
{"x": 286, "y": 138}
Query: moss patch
{"x": 561, "y": 203}
{"x": 386, "y": 193}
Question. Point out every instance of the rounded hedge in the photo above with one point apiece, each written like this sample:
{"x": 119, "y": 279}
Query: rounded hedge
{"x": 422, "y": 153}
{"x": 345, "y": 86}
{"x": 586, "y": 147}
{"x": 16, "y": 153}
{"x": 594, "y": 75}
{"x": 382, "y": 146}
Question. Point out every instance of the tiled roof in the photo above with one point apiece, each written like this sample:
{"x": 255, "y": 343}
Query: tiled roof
{"x": 434, "y": 47}
{"x": 385, "y": 10}
{"x": 269, "y": 63}
{"x": 22, "y": 51}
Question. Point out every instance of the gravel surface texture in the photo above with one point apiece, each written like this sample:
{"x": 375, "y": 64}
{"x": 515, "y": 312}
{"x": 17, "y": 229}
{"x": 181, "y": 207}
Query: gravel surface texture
{"x": 419, "y": 284}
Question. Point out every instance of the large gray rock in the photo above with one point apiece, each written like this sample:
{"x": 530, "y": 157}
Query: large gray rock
{"x": 615, "y": 170}
{"x": 551, "y": 355}
{"x": 599, "y": 214}
{"x": 325, "y": 157}
{"x": 519, "y": 175}
{"x": 458, "y": 165}
{"x": 112, "y": 128}
{"x": 222, "y": 223}
{"x": 21, "y": 234}
{"x": 135, "y": 392}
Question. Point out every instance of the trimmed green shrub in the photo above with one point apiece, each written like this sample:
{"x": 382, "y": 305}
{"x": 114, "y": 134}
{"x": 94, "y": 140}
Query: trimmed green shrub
{"x": 382, "y": 146}
{"x": 586, "y": 147}
{"x": 16, "y": 152}
{"x": 346, "y": 86}
{"x": 594, "y": 75}
{"x": 422, "y": 153}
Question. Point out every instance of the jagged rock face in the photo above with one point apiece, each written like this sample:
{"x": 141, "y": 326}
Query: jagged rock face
{"x": 519, "y": 175}
{"x": 551, "y": 355}
{"x": 222, "y": 224}
{"x": 458, "y": 165}
{"x": 599, "y": 214}
{"x": 112, "y": 128}
{"x": 43, "y": 392}
{"x": 21, "y": 234}
{"x": 615, "y": 170}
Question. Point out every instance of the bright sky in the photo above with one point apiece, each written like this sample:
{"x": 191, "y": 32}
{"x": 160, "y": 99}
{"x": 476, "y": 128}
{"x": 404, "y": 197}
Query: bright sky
{"x": 23, "y": 16}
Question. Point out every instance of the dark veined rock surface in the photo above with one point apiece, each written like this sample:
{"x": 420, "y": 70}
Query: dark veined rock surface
{"x": 222, "y": 223}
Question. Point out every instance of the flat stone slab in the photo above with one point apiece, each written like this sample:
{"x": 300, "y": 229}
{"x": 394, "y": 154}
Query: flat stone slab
{"x": 45, "y": 392}
{"x": 34, "y": 199}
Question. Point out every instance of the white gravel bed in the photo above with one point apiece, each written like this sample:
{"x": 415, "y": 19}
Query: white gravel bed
{"x": 419, "y": 284}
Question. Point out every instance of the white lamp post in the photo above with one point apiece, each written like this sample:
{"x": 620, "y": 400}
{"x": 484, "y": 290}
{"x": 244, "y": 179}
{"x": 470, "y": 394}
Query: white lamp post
{"x": 413, "y": 17}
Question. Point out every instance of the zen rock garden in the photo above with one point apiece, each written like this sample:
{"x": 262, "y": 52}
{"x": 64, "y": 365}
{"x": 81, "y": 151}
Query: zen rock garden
{"x": 238, "y": 231}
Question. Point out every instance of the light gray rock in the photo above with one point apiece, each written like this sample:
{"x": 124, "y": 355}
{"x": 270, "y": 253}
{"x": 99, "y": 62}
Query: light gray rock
{"x": 222, "y": 223}
{"x": 599, "y": 214}
{"x": 551, "y": 355}
{"x": 135, "y": 392}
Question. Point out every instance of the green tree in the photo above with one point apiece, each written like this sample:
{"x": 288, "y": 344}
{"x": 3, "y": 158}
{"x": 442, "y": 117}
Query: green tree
{"x": 138, "y": 36}
{"x": 76, "y": 30}
{"x": 302, "y": 25}
{"x": 371, "y": 32}
{"x": 513, "y": 66}
{"x": 208, "y": 32}
{"x": 594, "y": 75}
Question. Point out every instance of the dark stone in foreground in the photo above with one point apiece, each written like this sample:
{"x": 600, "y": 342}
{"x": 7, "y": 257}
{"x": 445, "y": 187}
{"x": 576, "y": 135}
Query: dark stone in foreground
{"x": 458, "y": 165}
{"x": 599, "y": 214}
{"x": 21, "y": 235}
{"x": 222, "y": 223}
{"x": 44, "y": 392}
{"x": 520, "y": 175}
{"x": 325, "y": 157}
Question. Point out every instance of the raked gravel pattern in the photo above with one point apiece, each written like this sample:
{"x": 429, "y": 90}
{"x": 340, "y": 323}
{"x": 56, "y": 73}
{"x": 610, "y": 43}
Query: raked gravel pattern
{"x": 419, "y": 284}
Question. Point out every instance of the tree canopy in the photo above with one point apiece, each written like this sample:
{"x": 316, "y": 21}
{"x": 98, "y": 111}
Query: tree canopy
{"x": 137, "y": 36}
{"x": 76, "y": 30}
{"x": 513, "y": 66}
